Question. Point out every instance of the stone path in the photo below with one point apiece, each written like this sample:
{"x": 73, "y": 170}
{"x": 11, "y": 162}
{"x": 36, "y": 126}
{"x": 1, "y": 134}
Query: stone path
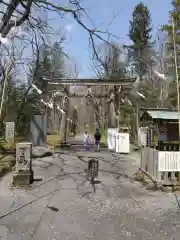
{"x": 61, "y": 204}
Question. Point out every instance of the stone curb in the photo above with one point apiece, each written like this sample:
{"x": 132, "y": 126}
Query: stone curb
{"x": 40, "y": 153}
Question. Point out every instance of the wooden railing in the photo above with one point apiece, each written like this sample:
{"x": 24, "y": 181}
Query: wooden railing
{"x": 171, "y": 146}
{"x": 163, "y": 165}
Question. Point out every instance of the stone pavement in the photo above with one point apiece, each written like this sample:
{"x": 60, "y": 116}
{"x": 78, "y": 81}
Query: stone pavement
{"x": 41, "y": 151}
{"x": 62, "y": 205}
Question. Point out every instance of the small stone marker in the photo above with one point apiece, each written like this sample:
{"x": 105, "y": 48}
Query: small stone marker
{"x": 24, "y": 173}
{"x": 23, "y": 156}
{"x": 93, "y": 167}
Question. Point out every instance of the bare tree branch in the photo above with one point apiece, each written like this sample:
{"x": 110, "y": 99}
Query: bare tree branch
{"x": 27, "y": 6}
{"x": 7, "y": 23}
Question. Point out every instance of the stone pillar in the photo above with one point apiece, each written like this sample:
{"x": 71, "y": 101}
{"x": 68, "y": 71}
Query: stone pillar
{"x": 10, "y": 132}
{"x": 38, "y": 130}
{"x": 64, "y": 122}
{"x": 24, "y": 173}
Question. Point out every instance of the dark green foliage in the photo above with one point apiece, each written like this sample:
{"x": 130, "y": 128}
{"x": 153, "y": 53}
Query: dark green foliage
{"x": 140, "y": 54}
{"x": 140, "y": 35}
{"x": 74, "y": 123}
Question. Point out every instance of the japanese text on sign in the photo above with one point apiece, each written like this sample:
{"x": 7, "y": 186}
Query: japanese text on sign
{"x": 9, "y": 136}
{"x": 22, "y": 158}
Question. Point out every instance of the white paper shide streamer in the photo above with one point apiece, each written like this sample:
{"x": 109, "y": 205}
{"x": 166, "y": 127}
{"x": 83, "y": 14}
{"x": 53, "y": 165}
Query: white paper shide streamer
{"x": 50, "y": 105}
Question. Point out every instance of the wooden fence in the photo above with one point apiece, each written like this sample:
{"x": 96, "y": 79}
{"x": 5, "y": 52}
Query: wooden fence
{"x": 164, "y": 166}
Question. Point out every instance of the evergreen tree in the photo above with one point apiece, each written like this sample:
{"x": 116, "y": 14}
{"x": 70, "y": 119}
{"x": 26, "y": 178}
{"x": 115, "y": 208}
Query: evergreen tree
{"x": 140, "y": 52}
{"x": 140, "y": 35}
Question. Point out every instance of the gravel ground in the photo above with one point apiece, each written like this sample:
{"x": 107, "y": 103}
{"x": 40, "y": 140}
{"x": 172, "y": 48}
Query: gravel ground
{"x": 61, "y": 204}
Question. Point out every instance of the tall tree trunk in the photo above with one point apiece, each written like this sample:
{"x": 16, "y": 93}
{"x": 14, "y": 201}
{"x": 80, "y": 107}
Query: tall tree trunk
{"x": 62, "y": 127}
{"x": 137, "y": 124}
{"x": 65, "y": 127}
{"x": 64, "y": 121}
{"x": 97, "y": 115}
{"x": 112, "y": 121}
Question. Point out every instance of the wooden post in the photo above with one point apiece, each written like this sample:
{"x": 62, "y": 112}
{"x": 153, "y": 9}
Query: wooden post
{"x": 137, "y": 124}
{"x": 64, "y": 120}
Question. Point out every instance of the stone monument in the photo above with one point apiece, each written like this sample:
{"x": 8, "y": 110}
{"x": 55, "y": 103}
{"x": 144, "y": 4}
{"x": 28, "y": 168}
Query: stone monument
{"x": 9, "y": 133}
{"x": 23, "y": 172}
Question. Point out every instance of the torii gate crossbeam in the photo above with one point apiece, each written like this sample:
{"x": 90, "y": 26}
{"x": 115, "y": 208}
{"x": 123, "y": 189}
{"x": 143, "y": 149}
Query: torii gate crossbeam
{"x": 91, "y": 82}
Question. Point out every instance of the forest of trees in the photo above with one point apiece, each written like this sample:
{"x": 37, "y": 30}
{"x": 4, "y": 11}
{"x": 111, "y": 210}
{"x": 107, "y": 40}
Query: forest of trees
{"x": 149, "y": 59}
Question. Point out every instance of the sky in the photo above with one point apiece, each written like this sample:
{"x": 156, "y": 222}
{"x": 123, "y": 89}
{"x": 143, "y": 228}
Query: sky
{"x": 102, "y": 12}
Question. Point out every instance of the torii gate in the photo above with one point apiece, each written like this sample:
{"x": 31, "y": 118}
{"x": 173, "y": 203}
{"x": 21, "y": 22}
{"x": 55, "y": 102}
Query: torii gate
{"x": 122, "y": 85}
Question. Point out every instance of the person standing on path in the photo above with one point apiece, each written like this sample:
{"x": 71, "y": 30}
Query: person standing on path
{"x": 86, "y": 139}
{"x": 97, "y": 137}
